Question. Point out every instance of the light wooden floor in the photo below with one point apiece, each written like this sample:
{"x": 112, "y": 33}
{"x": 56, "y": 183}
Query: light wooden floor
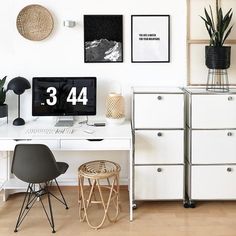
{"x": 151, "y": 218}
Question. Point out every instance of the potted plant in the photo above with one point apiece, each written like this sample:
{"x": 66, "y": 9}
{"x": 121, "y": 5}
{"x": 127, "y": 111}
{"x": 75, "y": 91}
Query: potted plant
{"x": 3, "y": 106}
{"x": 218, "y": 28}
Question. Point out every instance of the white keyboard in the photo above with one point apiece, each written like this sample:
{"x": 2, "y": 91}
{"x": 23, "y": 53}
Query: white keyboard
{"x": 47, "y": 131}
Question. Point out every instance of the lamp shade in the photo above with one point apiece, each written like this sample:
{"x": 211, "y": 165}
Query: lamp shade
{"x": 18, "y": 85}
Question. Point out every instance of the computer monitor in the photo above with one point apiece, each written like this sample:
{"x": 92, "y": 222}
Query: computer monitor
{"x": 64, "y": 96}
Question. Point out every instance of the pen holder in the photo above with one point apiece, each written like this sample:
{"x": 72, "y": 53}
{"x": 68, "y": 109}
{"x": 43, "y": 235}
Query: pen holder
{"x": 115, "y": 112}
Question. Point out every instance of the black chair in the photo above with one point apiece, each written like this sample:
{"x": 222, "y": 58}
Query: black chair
{"x": 36, "y": 165}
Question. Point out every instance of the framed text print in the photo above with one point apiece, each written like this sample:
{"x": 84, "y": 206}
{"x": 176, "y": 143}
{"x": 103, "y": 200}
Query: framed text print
{"x": 150, "y": 38}
{"x": 103, "y": 38}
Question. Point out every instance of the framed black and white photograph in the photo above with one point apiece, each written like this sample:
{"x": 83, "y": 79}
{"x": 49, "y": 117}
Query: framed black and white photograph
{"x": 103, "y": 38}
{"x": 150, "y": 38}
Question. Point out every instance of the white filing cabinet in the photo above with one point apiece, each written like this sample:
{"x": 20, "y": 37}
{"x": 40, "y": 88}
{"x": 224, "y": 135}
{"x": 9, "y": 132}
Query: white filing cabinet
{"x": 211, "y": 154}
{"x": 158, "y": 128}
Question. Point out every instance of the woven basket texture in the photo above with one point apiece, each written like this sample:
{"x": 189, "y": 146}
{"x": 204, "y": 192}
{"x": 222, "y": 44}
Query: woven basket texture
{"x": 34, "y": 22}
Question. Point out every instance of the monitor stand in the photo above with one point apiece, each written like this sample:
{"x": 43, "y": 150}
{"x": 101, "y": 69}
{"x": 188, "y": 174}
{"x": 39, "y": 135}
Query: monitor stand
{"x": 67, "y": 121}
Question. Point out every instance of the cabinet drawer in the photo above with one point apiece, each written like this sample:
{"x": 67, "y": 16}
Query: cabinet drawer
{"x": 103, "y": 144}
{"x": 9, "y": 145}
{"x": 159, "y": 147}
{"x": 159, "y": 111}
{"x": 213, "y": 111}
{"x": 213, "y": 182}
{"x": 158, "y": 182}
{"x": 213, "y": 146}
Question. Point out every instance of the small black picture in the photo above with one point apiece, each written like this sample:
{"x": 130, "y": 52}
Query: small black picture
{"x": 103, "y": 38}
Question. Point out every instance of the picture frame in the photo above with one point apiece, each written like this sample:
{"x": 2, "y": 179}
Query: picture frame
{"x": 103, "y": 38}
{"x": 150, "y": 38}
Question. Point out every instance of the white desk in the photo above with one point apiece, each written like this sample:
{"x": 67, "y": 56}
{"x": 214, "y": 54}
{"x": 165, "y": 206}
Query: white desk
{"x": 104, "y": 138}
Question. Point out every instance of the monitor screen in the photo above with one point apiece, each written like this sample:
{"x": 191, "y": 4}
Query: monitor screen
{"x": 64, "y": 96}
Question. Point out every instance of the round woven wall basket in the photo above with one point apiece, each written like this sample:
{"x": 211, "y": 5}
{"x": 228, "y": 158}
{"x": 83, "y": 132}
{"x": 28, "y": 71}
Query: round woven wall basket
{"x": 34, "y": 22}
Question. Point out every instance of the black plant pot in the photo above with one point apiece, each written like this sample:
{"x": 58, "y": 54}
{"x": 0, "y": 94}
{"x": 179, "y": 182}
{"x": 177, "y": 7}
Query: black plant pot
{"x": 3, "y": 110}
{"x": 218, "y": 57}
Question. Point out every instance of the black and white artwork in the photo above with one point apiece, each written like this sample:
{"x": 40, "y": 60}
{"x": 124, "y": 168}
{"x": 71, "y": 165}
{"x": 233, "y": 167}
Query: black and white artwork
{"x": 150, "y": 38}
{"x": 103, "y": 38}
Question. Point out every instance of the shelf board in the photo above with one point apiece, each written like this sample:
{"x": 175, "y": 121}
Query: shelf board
{"x": 206, "y": 41}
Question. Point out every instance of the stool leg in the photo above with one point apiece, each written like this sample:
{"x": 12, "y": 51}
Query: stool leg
{"x": 91, "y": 193}
{"x": 79, "y": 194}
{"x": 85, "y": 206}
{"x": 81, "y": 198}
{"x": 93, "y": 189}
{"x": 83, "y": 202}
{"x": 116, "y": 192}
{"x": 115, "y": 199}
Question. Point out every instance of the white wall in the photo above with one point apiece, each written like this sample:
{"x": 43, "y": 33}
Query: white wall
{"x": 62, "y": 53}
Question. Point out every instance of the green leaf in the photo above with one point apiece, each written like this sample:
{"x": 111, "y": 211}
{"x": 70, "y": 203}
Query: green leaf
{"x": 2, "y": 82}
{"x": 227, "y": 21}
{"x": 212, "y": 19}
{"x": 217, "y": 6}
{"x": 209, "y": 30}
{"x": 219, "y": 25}
{"x": 2, "y": 96}
{"x": 204, "y": 20}
{"x": 227, "y": 14}
{"x": 208, "y": 18}
{"x": 227, "y": 34}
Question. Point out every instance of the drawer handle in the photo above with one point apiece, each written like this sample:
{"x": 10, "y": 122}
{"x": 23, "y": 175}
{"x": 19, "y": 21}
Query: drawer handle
{"x": 230, "y": 134}
{"x": 159, "y": 170}
{"x": 230, "y": 98}
{"x": 229, "y": 169}
{"x": 19, "y": 140}
{"x": 159, "y": 97}
{"x": 159, "y": 134}
{"x": 95, "y": 140}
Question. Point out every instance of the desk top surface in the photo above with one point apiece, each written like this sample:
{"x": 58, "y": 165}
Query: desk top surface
{"x": 123, "y": 131}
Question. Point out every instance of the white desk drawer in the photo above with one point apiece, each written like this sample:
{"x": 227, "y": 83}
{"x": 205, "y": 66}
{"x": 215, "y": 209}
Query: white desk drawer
{"x": 9, "y": 145}
{"x": 213, "y": 111}
{"x": 159, "y": 182}
{"x": 159, "y": 147}
{"x": 103, "y": 144}
{"x": 213, "y": 146}
{"x": 158, "y": 111}
{"x": 213, "y": 182}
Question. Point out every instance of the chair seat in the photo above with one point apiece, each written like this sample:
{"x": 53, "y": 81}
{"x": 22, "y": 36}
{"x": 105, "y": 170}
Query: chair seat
{"x": 62, "y": 166}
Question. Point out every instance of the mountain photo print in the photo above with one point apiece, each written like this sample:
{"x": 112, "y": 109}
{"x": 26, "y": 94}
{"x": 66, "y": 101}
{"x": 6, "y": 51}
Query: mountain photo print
{"x": 103, "y": 38}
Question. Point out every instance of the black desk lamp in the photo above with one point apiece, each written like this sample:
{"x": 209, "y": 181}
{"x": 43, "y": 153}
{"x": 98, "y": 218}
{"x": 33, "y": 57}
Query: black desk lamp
{"x": 18, "y": 85}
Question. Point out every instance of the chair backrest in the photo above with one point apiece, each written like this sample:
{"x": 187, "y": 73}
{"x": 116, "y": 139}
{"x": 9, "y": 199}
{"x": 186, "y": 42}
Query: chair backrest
{"x": 34, "y": 163}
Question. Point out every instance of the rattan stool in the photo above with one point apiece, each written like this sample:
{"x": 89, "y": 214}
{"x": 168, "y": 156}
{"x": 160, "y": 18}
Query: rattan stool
{"x": 95, "y": 172}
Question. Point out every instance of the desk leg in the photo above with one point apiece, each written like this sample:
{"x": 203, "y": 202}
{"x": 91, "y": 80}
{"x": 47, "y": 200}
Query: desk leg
{"x": 4, "y": 176}
{"x": 8, "y": 168}
{"x": 131, "y": 183}
{"x": 5, "y": 195}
